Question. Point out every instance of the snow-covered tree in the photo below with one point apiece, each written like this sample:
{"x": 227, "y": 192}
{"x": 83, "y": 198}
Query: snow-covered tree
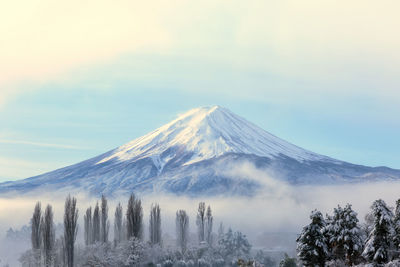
{"x": 153, "y": 254}
{"x": 200, "y": 221}
{"x": 209, "y": 226}
{"x": 288, "y": 262}
{"x": 98, "y": 254}
{"x": 368, "y": 225}
{"x": 353, "y": 237}
{"x": 344, "y": 235}
{"x": 118, "y": 232}
{"x": 234, "y": 245}
{"x": 105, "y": 224}
{"x": 70, "y": 229}
{"x": 311, "y": 244}
{"x": 155, "y": 224}
{"x": 182, "y": 229}
{"x": 124, "y": 254}
{"x": 264, "y": 259}
{"x": 379, "y": 243}
{"x": 96, "y": 224}
{"x": 134, "y": 252}
{"x": 48, "y": 236}
{"x": 29, "y": 258}
{"x": 88, "y": 226}
{"x": 396, "y": 226}
{"x": 134, "y": 218}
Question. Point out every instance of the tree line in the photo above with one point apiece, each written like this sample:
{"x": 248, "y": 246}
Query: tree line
{"x": 127, "y": 247}
{"x": 340, "y": 240}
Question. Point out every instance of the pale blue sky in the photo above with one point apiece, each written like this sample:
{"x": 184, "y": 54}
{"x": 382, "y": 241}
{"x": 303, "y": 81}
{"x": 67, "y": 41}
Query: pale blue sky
{"x": 317, "y": 75}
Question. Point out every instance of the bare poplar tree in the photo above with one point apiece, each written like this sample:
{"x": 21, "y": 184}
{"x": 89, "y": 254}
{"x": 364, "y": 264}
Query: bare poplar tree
{"x": 134, "y": 218}
{"x": 182, "y": 229}
{"x": 209, "y": 225}
{"x": 70, "y": 228}
{"x": 129, "y": 217}
{"x": 48, "y": 236}
{"x": 35, "y": 221}
{"x": 124, "y": 229}
{"x": 105, "y": 224}
{"x": 118, "y": 231}
{"x": 88, "y": 226}
{"x": 155, "y": 224}
{"x": 200, "y": 221}
{"x": 96, "y": 224}
{"x": 221, "y": 231}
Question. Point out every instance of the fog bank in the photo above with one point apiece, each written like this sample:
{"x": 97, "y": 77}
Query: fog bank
{"x": 280, "y": 208}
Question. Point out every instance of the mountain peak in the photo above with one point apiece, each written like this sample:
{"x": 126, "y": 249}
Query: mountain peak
{"x": 207, "y": 132}
{"x": 198, "y": 114}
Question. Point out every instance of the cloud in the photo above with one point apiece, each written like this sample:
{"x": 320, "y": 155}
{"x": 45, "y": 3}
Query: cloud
{"x": 16, "y": 168}
{"x": 43, "y": 40}
{"x": 24, "y": 142}
{"x": 352, "y": 44}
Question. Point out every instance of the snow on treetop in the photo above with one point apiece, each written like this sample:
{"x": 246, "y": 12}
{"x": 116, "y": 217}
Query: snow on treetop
{"x": 208, "y": 132}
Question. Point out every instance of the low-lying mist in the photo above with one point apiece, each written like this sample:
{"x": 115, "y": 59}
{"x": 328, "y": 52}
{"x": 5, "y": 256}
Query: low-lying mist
{"x": 280, "y": 208}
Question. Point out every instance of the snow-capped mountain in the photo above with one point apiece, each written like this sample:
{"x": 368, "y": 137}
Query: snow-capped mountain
{"x": 204, "y": 151}
{"x": 208, "y": 133}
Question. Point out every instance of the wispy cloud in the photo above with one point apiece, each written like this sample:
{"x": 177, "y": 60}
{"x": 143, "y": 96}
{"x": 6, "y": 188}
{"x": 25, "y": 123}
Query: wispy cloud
{"x": 40, "y": 144}
{"x": 307, "y": 39}
{"x": 16, "y": 168}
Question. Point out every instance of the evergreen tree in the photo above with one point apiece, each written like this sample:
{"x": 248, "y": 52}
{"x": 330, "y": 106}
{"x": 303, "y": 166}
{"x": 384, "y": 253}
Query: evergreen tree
{"x": 396, "y": 226}
{"x": 379, "y": 244}
{"x": 288, "y": 262}
{"x": 353, "y": 236}
{"x": 344, "y": 235}
{"x": 311, "y": 244}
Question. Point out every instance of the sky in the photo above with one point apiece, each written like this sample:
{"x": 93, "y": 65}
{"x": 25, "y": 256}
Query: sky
{"x": 78, "y": 78}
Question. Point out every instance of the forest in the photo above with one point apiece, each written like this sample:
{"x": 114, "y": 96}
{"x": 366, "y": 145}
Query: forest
{"x": 340, "y": 240}
{"x": 337, "y": 239}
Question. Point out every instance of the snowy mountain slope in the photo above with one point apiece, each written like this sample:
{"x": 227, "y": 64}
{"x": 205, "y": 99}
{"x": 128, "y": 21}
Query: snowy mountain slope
{"x": 209, "y": 133}
{"x": 203, "y": 151}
